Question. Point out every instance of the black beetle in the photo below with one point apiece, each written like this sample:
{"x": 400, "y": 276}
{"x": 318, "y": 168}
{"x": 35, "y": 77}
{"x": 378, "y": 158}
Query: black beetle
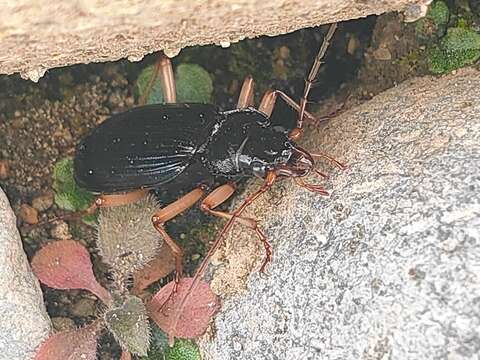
{"x": 193, "y": 146}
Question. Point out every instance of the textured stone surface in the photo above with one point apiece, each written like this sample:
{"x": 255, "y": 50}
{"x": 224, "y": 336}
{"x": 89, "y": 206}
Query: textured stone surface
{"x": 387, "y": 267}
{"x": 36, "y": 36}
{"x": 25, "y": 322}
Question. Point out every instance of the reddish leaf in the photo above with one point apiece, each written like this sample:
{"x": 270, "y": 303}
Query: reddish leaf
{"x": 69, "y": 345}
{"x": 162, "y": 265}
{"x": 126, "y": 355}
{"x": 66, "y": 265}
{"x": 199, "y": 307}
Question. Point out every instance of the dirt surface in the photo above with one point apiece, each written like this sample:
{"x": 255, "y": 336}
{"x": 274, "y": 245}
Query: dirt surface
{"x": 41, "y": 123}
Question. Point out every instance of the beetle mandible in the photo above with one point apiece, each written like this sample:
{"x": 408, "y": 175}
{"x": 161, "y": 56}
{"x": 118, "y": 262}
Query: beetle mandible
{"x": 193, "y": 147}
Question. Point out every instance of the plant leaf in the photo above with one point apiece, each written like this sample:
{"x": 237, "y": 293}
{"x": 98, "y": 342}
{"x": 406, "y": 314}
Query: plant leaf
{"x": 68, "y": 195}
{"x": 126, "y": 238}
{"x": 66, "y": 264}
{"x": 69, "y": 345}
{"x": 195, "y": 316}
{"x": 193, "y": 84}
{"x": 129, "y": 324}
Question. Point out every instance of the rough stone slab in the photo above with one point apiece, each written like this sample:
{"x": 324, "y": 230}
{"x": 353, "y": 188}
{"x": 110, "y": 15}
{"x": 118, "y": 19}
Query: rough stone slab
{"x": 38, "y": 35}
{"x": 387, "y": 267}
{"x": 24, "y": 321}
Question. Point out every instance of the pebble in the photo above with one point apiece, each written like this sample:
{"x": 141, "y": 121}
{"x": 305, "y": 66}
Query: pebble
{"x": 4, "y": 169}
{"x": 195, "y": 257}
{"x": 84, "y": 307}
{"x": 114, "y": 101}
{"x": 28, "y": 214}
{"x": 352, "y": 45}
{"x": 283, "y": 52}
{"x": 382, "y": 54}
{"x": 60, "y": 231}
{"x": 62, "y": 323}
{"x": 43, "y": 202}
{"x": 129, "y": 101}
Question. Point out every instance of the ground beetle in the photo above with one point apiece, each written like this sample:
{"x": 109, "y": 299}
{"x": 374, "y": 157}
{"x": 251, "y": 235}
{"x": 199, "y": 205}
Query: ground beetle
{"x": 193, "y": 146}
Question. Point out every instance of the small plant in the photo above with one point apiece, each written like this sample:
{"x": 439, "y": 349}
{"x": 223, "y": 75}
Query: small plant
{"x": 66, "y": 265}
{"x": 136, "y": 257}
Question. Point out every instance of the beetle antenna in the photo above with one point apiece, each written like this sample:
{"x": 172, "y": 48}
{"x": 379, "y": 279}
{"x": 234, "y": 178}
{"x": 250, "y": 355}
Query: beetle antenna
{"x": 314, "y": 71}
{"x": 331, "y": 159}
{"x": 325, "y": 176}
{"x": 318, "y": 189}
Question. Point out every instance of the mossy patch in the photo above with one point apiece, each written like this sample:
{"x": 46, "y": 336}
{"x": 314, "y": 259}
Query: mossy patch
{"x": 435, "y": 22}
{"x": 181, "y": 350}
{"x": 459, "y": 47}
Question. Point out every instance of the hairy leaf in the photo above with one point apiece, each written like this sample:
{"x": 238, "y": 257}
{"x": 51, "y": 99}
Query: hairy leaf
{"x": 126, "y": 238}
{"x": 129, "y": 324}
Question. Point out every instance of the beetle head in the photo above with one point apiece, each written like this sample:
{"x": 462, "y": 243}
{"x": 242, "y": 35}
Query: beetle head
{"x": 299, "y": 164}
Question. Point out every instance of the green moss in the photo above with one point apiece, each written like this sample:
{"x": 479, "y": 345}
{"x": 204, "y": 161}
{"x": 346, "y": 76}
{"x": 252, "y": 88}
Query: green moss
{"x": 68, "y": 195}
{"x": 434, "y": 24}
{"x": 193, "y": 84}
{"x": 460, "y": 47}
{"x": 181, "y": 350}
{"x": 439, "y": 13}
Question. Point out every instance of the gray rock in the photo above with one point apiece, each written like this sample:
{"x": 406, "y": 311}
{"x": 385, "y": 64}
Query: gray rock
{"x": 387, "y": 267}
{"x": 24, "y": 322}
{"x": 77, "y": 33}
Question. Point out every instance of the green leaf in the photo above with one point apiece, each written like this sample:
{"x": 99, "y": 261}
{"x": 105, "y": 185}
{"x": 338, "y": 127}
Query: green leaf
{"x": 68, "y": 195}
{"x": 129, "y": 325}
{"x": 193, "y": 84}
